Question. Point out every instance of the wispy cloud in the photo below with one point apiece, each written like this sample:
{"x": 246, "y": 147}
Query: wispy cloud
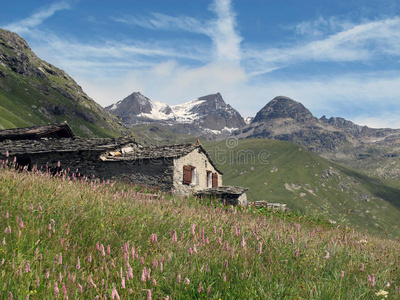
{"x": 160, "y": 21}
{"x": 222, "y": 29}
{"x": 225, "y": 36}
{"x": 359, "y": 43}
{"x": 37, "y": 18}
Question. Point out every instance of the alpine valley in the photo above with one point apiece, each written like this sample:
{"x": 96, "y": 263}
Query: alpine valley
{"x": 327, "y": 166}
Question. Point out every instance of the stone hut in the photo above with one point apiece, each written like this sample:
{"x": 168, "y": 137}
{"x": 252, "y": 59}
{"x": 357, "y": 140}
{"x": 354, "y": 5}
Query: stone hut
{"x": 184, "y": 169}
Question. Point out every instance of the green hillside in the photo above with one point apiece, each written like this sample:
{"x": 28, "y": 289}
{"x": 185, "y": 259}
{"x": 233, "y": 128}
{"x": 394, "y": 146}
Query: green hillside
{"x": 283, "y": 172}
{"x": 33, "y": 92}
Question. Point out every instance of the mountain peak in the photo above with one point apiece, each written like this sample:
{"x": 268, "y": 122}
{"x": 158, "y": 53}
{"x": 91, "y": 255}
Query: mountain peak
{"x": 284, "y": 107}
{"x": 12, "y": 40}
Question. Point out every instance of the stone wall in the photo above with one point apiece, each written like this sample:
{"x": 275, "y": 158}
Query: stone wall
{"x": 146, "y": 172}
{"x": 197, "y": 159}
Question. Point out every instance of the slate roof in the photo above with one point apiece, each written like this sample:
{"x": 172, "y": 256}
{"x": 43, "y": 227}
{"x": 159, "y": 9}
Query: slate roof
{"x": 15, "y": 147}
{"x": 37, "y": 132}
{"x": 170, "y": 151}
{"x": 223, "y": 190}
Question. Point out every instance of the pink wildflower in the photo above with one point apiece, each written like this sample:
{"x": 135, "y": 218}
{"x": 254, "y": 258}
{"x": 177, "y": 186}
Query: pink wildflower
{"x": 28, "y": 267}
{"x": 174, "y": 237}
{"x": 214, "y": 229}
{"x": 90, "y": 280}
{"x": 80, "y": 288}
{"x": 372, "y": 280}
{"x": 224, "y": 277}
{"x": 60, "y": 259}
{"x": 130, "y": 272}
{"x": 243, "y": 242}
{"x": 342, "y": 274}
{"x": 154, "y": 281}
{"x": 226, "y": 246}
{"x": 21, "y": 224}
{"x": 195, "y": 249}
{"x": 103, "y": 253}
{"x": 200, "y": 288}
{"x": 11, "y": 296}
{"x": 108, "y": 249}
{"x": 259, "y": 247}
{"x": 56, "y": 290}
{"x": 362, "y": 267}
{"x": 7, "y": 216}
{"x": 327, "y": 255}
{"x": 37, "y": 281}
{"x": 123, "y": 283}
{"x": 114, "y": 294}
{"x": 192, "y": 228}
{"x": 292, "y": 239}
{"x": 40, "y": 207}
{"x": 154, "y": 238}
{"x": 155, "y": 263}
{"x": 148, "y": 294}
{"x": 144, "y": 275}
{"x": 64, "y": 288}
{"x": 179, "y": 278}
{"x": 187, "y": 281}
{"x": 78, "y": 264}
{"x": 31, "y": 206}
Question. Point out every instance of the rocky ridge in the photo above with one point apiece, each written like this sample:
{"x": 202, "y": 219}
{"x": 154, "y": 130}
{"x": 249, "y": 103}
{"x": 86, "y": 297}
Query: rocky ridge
{"x": 34, "y": 92}
{"x": 208, "y": 116}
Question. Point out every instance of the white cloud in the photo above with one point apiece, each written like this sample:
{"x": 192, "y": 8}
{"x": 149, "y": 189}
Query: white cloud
{"x": 322, "y": 27}
{"x": 169, "y": 82}
{"x": 165, "y": 22}
{"x": 359, "y": 43}
{"x": 221, "y": 30}
{"x": 37, "y": 18}
{"x": 225, "y": 36}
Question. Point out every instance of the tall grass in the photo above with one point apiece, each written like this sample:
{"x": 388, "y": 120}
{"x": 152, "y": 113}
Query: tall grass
{"x": 71, "y": 238}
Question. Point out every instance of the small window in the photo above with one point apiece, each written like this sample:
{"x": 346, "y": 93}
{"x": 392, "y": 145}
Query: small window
{"x": 189, "y": 175}
{"x": 209, "y": 179}
{"x": 214, "y": 179}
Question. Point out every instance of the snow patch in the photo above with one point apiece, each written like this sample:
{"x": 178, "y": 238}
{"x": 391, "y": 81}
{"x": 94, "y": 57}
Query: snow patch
{"x": 159, "y": 111}
{"x": 183, "y": 112}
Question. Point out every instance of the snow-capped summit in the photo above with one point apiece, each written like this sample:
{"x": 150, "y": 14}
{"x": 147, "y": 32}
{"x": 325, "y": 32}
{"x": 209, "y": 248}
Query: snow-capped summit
{"x": 137, "y": 106}
{"x": 206, "y": 115}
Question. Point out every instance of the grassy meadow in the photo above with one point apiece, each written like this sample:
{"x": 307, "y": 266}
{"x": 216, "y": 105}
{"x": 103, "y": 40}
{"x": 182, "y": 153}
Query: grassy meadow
{"x": 71, "y": 238}
{"x": 284, "y": 172}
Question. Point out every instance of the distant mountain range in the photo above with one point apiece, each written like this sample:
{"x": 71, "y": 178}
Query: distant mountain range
{"x": 34, "y": 92}
{"x": 208, "y": 116}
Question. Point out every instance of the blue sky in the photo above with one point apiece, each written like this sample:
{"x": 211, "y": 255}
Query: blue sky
{"x": 339, "y": 58}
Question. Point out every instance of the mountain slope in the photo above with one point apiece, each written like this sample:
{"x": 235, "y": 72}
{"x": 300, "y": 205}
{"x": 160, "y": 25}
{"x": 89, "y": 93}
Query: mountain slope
{"x": 284, "y": 172}
{"x": 206, "y": 116}
{"x": 34, "y": 92}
